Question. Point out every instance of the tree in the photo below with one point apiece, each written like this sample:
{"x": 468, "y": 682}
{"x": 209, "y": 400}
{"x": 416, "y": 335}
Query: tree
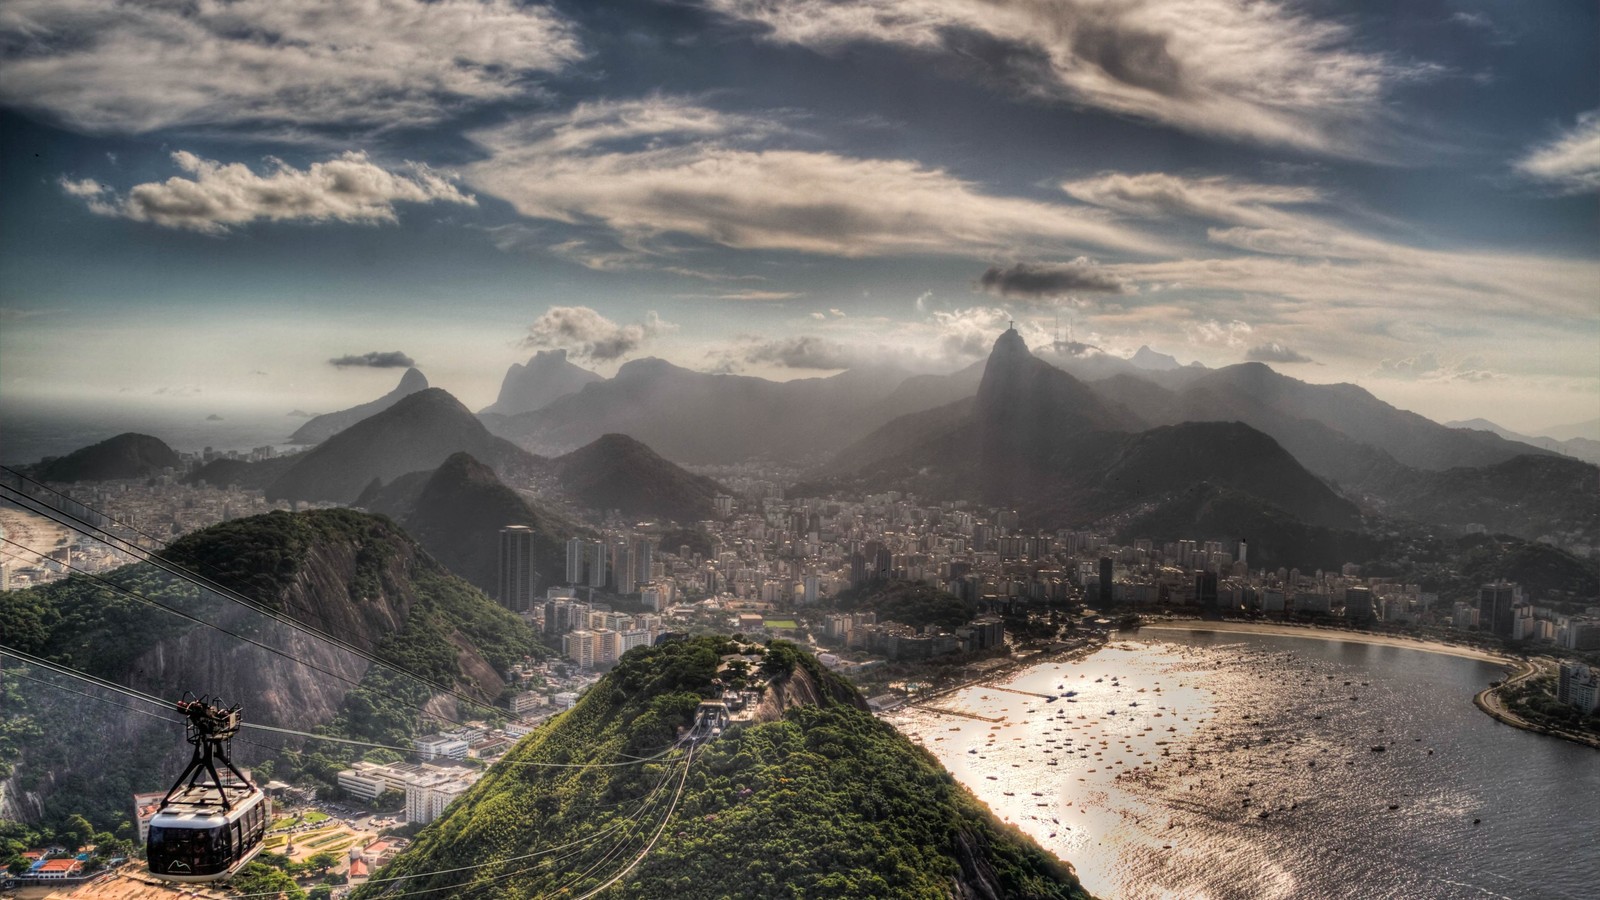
{"x": 321, "y": 862}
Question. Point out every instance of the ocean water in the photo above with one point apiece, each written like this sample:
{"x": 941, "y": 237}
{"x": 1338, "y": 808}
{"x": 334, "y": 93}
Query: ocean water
{"x": 1210, "y": 765}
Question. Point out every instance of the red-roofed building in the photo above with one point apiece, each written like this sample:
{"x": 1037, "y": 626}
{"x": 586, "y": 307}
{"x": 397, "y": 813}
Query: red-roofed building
{"x": 57, "y": 869}
{"x": 359, "y": 871}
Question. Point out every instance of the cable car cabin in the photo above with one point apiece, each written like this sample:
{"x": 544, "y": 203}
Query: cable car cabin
{"x": 195, "y": 838}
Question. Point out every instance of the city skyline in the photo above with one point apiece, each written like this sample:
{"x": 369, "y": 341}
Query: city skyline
{"x": 1402, "y": 200}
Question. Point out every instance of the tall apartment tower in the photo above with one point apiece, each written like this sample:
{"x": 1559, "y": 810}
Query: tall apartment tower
{"x": 598, "y": 553}
{"x": 1494, "y": 608}
{"x": 622, "y": 571}
{"x": 575, "y": 548}
{"x": 518, "y": 580}
{"x": 643, "y": 558}
{"x": 1106, "y": 594}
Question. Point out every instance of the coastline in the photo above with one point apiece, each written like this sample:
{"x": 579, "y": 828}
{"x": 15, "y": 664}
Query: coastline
{"x": 1487, "y": 700}
{"x": 1330, "y": 634}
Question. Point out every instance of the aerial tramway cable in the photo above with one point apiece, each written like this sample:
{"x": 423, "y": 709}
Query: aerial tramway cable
{"x": 148, "y": 698}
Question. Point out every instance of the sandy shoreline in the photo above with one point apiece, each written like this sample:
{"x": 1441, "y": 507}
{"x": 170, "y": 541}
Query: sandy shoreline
{"x": 31, "y": 530}
{"x": 1328, "y": 634}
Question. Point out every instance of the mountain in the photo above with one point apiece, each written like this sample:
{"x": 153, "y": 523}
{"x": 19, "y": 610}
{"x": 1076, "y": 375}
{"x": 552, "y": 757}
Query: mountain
{"x": 356, "y": 576}
{"x": 547, "y": 377}
{"x": 1582, "y": 448}
{"x": 1212, "y": 512}
{"x": 249, "y": 475}
{"x": 417, "y": 433}
{"x": 1040, "y": 440}
{"x": 1254, "y": 389}
{"x": 813, "y": 797}
{"x": 320, "y": 428}
{"x": 456, "y": 512}
{"x": 1528, "y": 496}
{"x": 127, "y": 455}
{"x": 617, "y": 472}
{"x": 1589, "y": 430}
{"x": 697, "y": 417}
{"x": 1145, "y": 358}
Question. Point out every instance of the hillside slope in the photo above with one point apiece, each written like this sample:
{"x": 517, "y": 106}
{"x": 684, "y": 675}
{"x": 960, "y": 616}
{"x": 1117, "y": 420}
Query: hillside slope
{"x": 815, "y": 799}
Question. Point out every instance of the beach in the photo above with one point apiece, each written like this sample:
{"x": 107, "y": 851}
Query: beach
{"x": 1330, "y": 634}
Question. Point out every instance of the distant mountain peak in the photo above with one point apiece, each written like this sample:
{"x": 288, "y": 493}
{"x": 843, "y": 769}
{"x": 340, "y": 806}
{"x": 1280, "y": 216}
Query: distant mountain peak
{"x": 546, "y": 378}
{"x": 412, "y": 381}
{"x": 1146, "y": 358}
{"x": 320, "y": 428}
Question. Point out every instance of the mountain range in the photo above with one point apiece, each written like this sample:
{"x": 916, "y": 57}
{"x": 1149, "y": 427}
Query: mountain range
{"x": 320, "y": 428}
{"x": 416, "y": 433}
{"x": 1044, "y": 442}
{"x": 1575, "y": 446}
{"x": 546, "y": 378}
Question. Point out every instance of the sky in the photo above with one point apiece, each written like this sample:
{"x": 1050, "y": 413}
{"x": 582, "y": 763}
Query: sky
{"x": 251, "y": 208}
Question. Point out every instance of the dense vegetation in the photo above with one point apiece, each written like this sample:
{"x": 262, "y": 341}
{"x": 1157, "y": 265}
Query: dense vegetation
{"x": 825, "y": 801}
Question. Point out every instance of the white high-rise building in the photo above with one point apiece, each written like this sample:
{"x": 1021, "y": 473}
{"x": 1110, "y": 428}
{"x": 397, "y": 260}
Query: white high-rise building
{"x": 575, "y": 548}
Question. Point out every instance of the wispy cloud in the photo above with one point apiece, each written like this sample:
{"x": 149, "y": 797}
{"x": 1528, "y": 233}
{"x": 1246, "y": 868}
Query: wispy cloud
{"x": 347, "y": 188}
{"x": 1248, "y": 69}
{"x": 1430, "y": 366}
{"x": 1571, "y": 160}
{"x": 586, "y": 334}
{"x": 670, "y": 166}
{"x": 267, "y": 65}
{"x": 1274, "y": 352}
{"x": 391, "y": 359}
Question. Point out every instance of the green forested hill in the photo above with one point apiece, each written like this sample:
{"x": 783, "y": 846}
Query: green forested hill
{"x": 816, "y": 799}
{"x": 356, "y": 576}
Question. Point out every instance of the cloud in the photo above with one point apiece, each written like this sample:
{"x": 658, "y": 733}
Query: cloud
{"x": 1252, "y": 70}
{"x": 670, "y": 166}
{"x": 272, "y": 66}
{"x": 587, "y": 334}
{"x": 1051, "y": 281}
{"x": 392, "y": 359}
{"x": 213, "y": 418}
{"x": 1429, "y": 366}
{"x": 1571, "y": 160}
{"x": 1313, "y": 266}
{"x": 347, "y": 188}
{"x": 1211, "y": 331}
{"x": 1217, "y": 198}
{"x": 757, "y": 296}
{"x": 802, "y": 352}
{"x": 1274, "y": 352}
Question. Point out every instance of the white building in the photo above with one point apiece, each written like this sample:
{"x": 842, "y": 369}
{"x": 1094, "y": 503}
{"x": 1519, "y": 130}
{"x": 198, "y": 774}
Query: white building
{"x": 428, "y": 795}
{"x": 442, "y": 746}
